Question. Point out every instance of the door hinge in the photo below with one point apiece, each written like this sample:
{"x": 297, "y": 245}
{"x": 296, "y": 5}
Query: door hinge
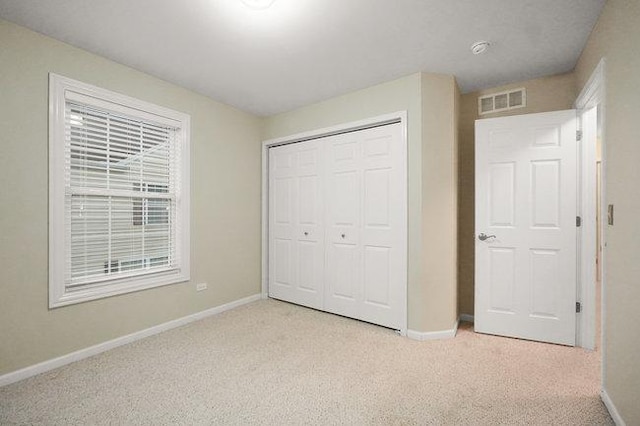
{"x": 578, "y": 135}
{"x": 578, "y": 221}
{"x": 578, "y": 307}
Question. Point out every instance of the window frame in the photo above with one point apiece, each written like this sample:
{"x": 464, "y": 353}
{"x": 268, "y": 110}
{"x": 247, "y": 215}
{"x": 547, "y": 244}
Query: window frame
{"x": 62, "y": 89}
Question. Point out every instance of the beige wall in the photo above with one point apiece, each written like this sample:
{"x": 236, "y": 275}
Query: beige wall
{"x": 543, "y": 94}
{"x": 438, "y": 289}
{"x": 432, "y": 289}
{"x": 225, "y": 214}
{"x": 617, "y": 38}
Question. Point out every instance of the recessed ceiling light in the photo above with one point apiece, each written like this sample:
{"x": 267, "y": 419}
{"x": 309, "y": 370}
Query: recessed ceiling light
{"x": 479, "y": 47}
{"x": 258, "y": 4}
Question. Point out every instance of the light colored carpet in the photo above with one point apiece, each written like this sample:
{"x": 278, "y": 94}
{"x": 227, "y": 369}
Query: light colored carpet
{"x": 275, "y": 363}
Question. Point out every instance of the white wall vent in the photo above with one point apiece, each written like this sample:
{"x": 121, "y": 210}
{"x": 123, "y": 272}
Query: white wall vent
{"x": 502, "y": 101}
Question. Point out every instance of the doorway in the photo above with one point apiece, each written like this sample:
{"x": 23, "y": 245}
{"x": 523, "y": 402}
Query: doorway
{"x": 591, "y": 212}
{"x": 335, "y": 220}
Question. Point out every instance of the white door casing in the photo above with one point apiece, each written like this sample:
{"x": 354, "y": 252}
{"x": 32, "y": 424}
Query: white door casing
{"x": 526, "y": 189}
{"x": 346, "y": 206}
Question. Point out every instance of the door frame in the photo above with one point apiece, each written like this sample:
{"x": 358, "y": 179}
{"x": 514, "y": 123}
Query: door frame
{"x": 591, "y": 96}
{"x": 381, "y": 120}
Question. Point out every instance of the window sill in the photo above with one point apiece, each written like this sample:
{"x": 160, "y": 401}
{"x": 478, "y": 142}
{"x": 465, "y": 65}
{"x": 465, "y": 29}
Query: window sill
{"x": 116, "y": 287}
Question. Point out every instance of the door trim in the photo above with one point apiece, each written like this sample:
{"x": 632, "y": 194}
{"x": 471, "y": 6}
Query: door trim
{"x": 381, "y": 120}
{"x": 592, "y": 95}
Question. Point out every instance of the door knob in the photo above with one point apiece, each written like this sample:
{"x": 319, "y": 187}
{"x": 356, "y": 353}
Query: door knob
{"x": 343, "y": 235}
{"x": 483, "y": 237}
{"x": 306, "y": 233}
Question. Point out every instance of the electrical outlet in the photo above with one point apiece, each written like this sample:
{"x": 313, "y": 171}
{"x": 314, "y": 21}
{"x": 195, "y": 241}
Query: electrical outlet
{"x": 201, "y": 286}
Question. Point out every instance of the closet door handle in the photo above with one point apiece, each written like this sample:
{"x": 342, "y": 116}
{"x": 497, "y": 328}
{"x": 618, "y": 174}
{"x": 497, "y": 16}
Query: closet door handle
{"x": 343, "y": 235}
{"x": 306, "y": 233}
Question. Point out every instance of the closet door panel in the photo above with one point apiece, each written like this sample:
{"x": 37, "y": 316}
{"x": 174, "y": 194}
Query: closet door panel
{"x": 343, "y": 283}
{"x": 381, "y": 227}
{"x": 310, "y": 224}
{"x": 296, "y": 236}
{"x": 282, "y": 250}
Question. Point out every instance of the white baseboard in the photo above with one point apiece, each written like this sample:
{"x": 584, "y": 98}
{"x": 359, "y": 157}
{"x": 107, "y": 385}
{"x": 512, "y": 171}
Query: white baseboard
{"x": 466, "y": 317}
{"x": 51, "y": 364}
{"x": 613, "y": 411}
{"x": 433, "y": 335}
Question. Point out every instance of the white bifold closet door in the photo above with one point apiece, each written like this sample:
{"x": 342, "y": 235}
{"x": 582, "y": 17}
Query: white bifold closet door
{"x": 296, "y": 228}
{"x": 337, "y": 217}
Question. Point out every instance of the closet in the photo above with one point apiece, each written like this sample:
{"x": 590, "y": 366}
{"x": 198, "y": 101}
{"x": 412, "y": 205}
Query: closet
{"x": 337, "y": 224}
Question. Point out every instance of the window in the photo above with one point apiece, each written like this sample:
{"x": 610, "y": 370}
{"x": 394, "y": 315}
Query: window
{"x": 119, "y": 193}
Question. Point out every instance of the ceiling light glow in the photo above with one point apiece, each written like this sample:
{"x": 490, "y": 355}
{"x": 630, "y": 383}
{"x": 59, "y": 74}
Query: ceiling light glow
{"x": 479, "y": 47}
{"x": 258, "y": 4}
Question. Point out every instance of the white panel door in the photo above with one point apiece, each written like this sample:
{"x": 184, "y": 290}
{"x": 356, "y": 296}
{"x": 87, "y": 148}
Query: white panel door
{"x": 343, "y": 285}
{"x": 526, "y": 189}
{"x": 366, "y": 225}
{"x": 296, "y": 230}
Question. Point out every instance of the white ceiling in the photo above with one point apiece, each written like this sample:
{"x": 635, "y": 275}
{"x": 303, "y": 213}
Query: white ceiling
{"x": 302, "y": 51}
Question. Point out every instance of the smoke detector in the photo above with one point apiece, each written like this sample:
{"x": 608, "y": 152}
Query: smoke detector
{"x": 479, "y": 47}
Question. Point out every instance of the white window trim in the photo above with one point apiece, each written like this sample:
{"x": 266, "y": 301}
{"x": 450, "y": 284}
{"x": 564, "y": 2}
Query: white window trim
{"x": 62, "y": 89}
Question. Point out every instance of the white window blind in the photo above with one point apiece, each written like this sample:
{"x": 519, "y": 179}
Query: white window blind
{"x": 121, "y": 191}
{"x": 123, "y": 213}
